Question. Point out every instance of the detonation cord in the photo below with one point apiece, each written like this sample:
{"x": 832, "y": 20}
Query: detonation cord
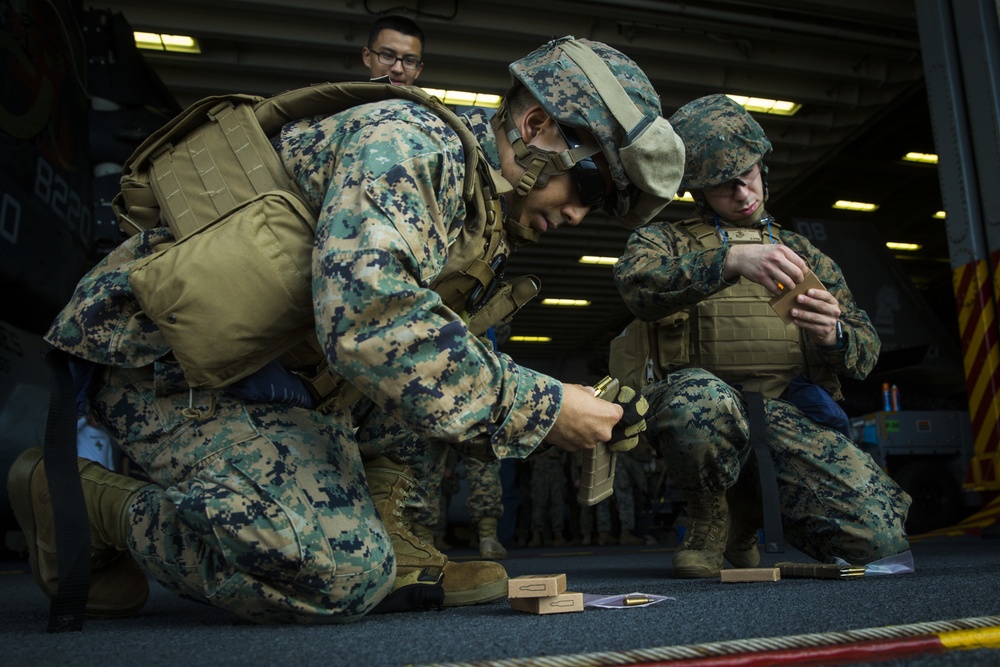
{"x": 865, "y": 645}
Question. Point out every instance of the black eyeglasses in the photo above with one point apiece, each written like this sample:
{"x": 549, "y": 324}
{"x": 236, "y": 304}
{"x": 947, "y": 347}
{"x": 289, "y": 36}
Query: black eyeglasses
{"x": 590, "y": 183}
{"x": 389, "y": 58}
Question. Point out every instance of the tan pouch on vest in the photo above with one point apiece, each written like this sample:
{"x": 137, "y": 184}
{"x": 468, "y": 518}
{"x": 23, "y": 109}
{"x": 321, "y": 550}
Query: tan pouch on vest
{"x": 259, "y": 253}
{"x": 629, "y": 358}
{"x": 673, "y": 344}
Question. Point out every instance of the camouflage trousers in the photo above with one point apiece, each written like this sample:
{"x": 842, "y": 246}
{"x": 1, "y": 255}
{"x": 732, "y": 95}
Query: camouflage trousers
{"x": 380, "y": 435}
{"x": 835, "y": 500}
{"x": 259, "y": 509}
{"x": 548, "y": 492}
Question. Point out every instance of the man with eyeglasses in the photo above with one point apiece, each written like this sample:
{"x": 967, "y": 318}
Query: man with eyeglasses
{"x": 394, "y": 51}
{"x": 282, "y": 507}
{"x": 737, "y": 387}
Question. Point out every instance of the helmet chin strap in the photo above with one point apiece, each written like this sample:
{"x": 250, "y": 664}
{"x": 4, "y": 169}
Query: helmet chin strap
{"x": 539, "y": 165}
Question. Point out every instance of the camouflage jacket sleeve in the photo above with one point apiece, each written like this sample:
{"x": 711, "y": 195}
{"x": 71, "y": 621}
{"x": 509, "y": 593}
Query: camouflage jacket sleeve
{"x": 103, "y": 322}
{"x": 662, "y": 272}
{"x": 387, "y": 181}
{"x": 862, "y": 345}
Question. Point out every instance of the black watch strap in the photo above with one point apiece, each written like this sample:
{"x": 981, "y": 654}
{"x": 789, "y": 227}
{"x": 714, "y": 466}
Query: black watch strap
{"x": 839, "y": 345}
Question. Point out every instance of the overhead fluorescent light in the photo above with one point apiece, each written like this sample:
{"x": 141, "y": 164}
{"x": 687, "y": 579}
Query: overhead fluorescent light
{"x": 767, "y": 105}
{"x": 530, "y": 339}
{"x": 152, "y": 41}
{"x": 684, "y": 197}
{"x": 909, "y": 247}
{"x": 926, "y": 158}
{"x": 579, "y": 303}
{"x": 595, "y": 259}
{"x": 940, "y": 215}
{"x": 463, "y": 98}
{"x": 855, "y": 206}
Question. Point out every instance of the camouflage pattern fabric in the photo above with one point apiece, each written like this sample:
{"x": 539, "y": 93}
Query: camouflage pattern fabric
{"x": 568, "y": 96}
{"x": 721, "y": 140}
{"x": 663, "y": 271}
{"x": 485, "y": 490}
{"x": 548, "y": 491}
{"x": 835, "y": 500}
{"x": 259, "y": 509}
{"x": 276, "y": 494}
{"x": 379, "y": 435}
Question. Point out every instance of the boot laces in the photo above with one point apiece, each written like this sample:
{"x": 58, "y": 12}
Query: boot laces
{"x": 702, "y": 534}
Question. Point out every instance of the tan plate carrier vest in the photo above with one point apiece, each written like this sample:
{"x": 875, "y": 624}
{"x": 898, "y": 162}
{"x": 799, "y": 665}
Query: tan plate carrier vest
{"x": 233, "y": 291}
{"x": 734, "y": 334}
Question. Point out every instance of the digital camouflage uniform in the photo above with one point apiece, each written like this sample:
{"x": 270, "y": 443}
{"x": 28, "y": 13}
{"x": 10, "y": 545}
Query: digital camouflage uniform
{"x": 485, "y": 492}
{"x": 263, "y": 509}
{"x": 835, "y": 501}
{"x": 548, "y": 492}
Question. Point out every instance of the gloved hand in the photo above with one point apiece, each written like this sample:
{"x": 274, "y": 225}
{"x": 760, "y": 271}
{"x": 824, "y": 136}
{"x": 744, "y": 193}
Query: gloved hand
{"x": 625, "y": 434}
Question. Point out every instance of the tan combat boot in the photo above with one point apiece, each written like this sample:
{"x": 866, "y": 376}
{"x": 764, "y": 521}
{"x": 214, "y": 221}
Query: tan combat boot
{"x": 117, "y": 586}
{"x": 489, "y": 545}
{"x": 700, "y": 554}
{"x": 418, "y": 563}
{"x": 424, "y": 533}
{"x": 746, "y": 516}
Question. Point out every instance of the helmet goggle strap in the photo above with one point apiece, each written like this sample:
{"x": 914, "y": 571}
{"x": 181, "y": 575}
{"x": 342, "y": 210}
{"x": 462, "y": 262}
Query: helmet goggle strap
{"x": 650, "y": 143}
{"x": 590, "y": 182}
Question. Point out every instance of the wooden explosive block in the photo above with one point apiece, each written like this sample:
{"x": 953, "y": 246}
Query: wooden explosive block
{"x": 750, "y": 574}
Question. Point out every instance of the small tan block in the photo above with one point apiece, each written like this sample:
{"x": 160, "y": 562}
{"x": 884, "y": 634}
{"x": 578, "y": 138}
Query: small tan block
{"x": 556, "y": 604}
{"x": 750, "y": 574}
{"x": 536, "y": 586}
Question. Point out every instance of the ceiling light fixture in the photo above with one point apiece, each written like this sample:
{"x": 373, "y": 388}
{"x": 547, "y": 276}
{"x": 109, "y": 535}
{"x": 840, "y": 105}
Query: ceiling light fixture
{"x": 908, "y": 247}
{"x": 152, "y": 41}
{"x": 579, "y": 303}
{"x": 855, "y": 206}
{"x": 940, "y": 215}
{"x": 594, "y": 259}
{"x": 530, "y": 339}
{"x": 925, "y": 158}
{"x": 766, "y": 105}
{"x": 462, "y": 98}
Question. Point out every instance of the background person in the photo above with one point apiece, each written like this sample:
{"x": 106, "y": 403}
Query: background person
{"x": 395, "y": 50}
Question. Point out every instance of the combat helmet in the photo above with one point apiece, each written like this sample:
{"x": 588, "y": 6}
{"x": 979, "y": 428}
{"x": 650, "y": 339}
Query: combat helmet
{"x": 588, "y": 85}
{"x": 721, "y": 139}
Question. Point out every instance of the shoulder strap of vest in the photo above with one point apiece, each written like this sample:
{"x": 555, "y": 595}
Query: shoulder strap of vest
{"x": 702, "y": 233}
{"x": 137, "y": 205}
{"x": 327, "y": 98}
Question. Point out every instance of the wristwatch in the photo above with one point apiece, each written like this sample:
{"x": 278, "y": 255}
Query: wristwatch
{"x": 840, "y": 342}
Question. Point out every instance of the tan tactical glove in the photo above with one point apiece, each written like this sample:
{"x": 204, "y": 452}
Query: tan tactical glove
{"x": 625, "y": 434}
